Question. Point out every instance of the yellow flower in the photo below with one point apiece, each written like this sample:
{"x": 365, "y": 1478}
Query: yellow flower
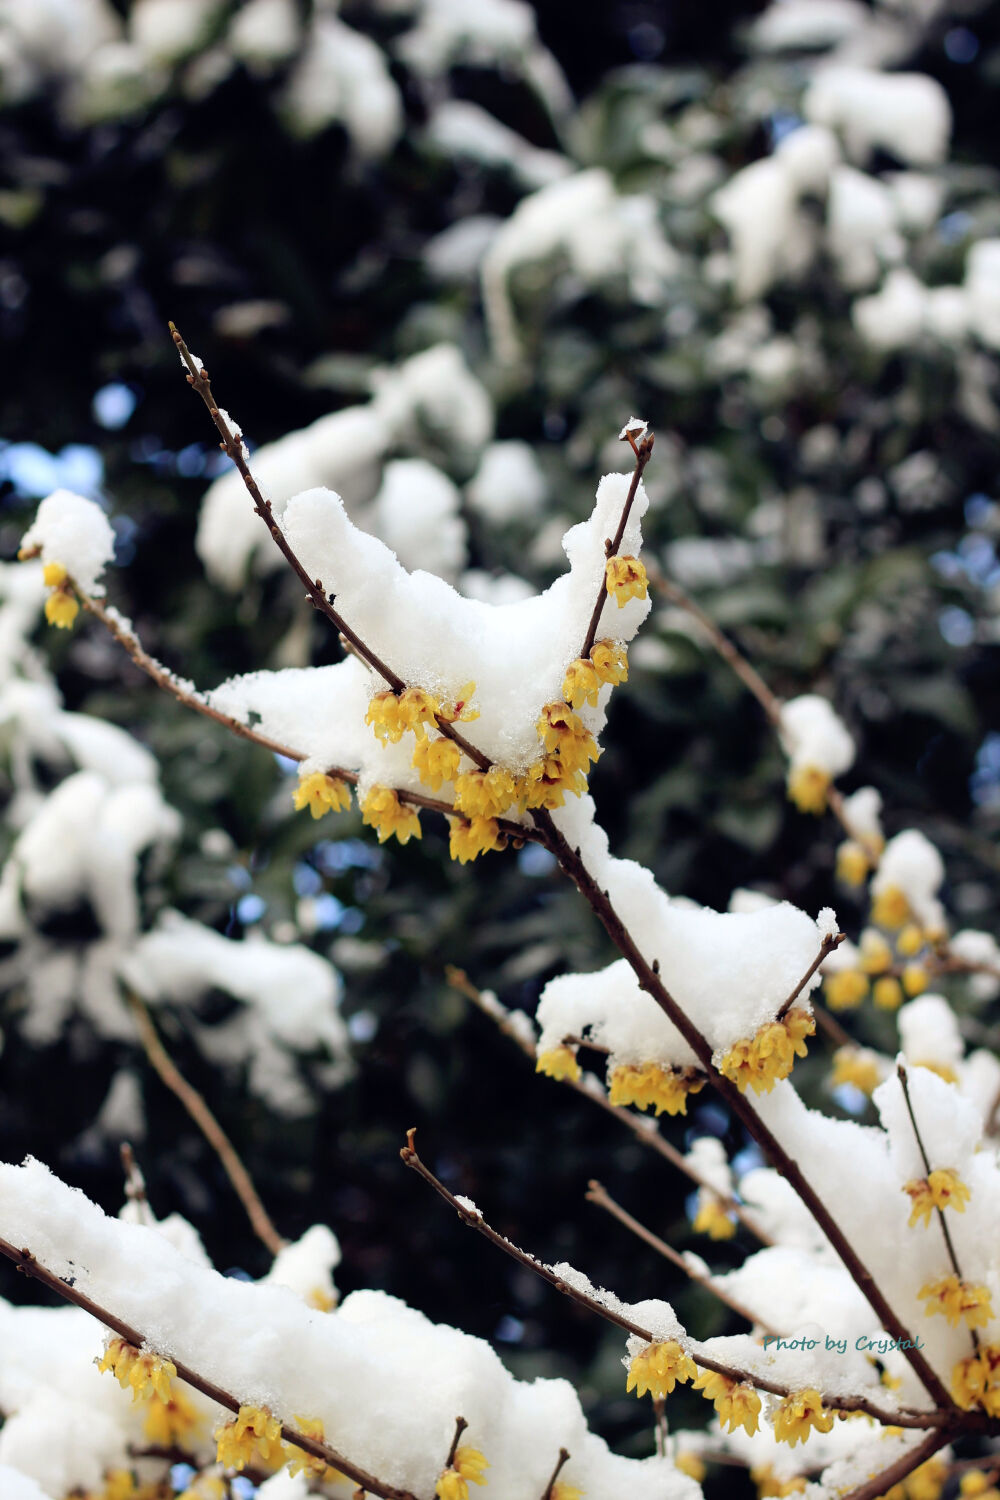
{"x": 254, "y": 1438}
{"x": 768, "y": 1484}
{"x": 957, "y": 1301}
{"x": 461, "y": 711}
{"x": 853, "y": 862}
{"x": 927, "y": 1481}
{"x": 942, "y": 1189}
{"x": 469, "y": 839}
{"x": 144, "y": 1374}
{"x": 581, "y": 684}
{"x": 969, "y": 1380}
{"x": 658, "y": 1368}
{"x": 712, "y": 1218}
{"x": 690, "y": 1464}
{"x": 563, "y": 1491}
{"x": 798, "y": 1414}
{"x": 845, "y": 989}
{"x": 385, "y": 718}
{"x": 558, "y": 1062}
{"x": 910, "y": 940}
{"x": 759, "y": 1062}
{"x": 975, "y": 1485}
{"x": 383, "y": 811}
{"x": 61, "y": 606}
{"x": 301, "y": 1462}
{"x": 562, "y": 732}
{"x": 320, "y": 1299}
{"x": 854, "y": 1066}
{"x": 610, "y": 661}
{"x": 322, "y": 793}
{"x": 169, "y": 1419}
{"x": 436, "y": 761}
{"x": 625, "y": 578}
{"x": 647, "y": 1084}
{"x": 468, "y": 1465}
{"x": 941, "y": 1069}
{"x": 876, "y": 955}
{"x": 737, "y": 1403}
{"x": 417, "y": 708}
{"x": 205, "y": 1487}
{"x": 808, "y": 787}
{"x": 546, "y": 783}
{"x": 485, "y": 794}
{"x": 887, "y": 993}
{"x": 891, "y": 909}
{"x": 915, "y": 979}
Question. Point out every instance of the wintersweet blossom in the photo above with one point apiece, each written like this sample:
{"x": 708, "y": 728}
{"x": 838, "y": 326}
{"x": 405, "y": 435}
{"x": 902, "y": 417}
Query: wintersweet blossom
{"x": 468, "y": 839}
{"x": 891, "y": 909}
{"x": 876, "y": 955}
{"x": 467, "y": 1465}
{"x": 712, "y": 1218}
{"x": 61, "y": 606}
{"x": 658, "y": 1368}
{"x": 911, "y": 940}
{"x": 761, "y": 1061}
{"x": 975, "y": 1381}
{"x": 887, "y": 993}
{"x": 976, "y": 1485}
{"x": 562, "y": 732}
{"x": 958, "y": 1301}
{"x": 168, "y": 1420}
{"x": 581, "y": 684}
{"x": 942, "y": 1189}
{"x": 436, "y": 761}
{"x": 915, "y": 979}
{"x": 461, "y": 710}
{"x": 845, "y": 989}
{"x": 143, "y": 1374}
{"x": 648, "y": 1085}
{"x": 321, "y": 794}
{"x": 736, "y": 1402}
{"x": 561, "y": 1490}
{"x": 808, "y": 787}
{"x": 546, "y": 783}
{"x": 798, "y": 1414}
{"x": 254, "y": 1437}
{"x": 857, "y": 1067}
{"x": 306, "y": 1463}
{"x": 625, "y": 578}
{"x": 853, "y": 862}
{"x": 391, "y": 715}
{"x": 485, "y": 794}
{"x": 610, "y": 660}
{"x": 558, "y": 1062}
{"x": 383, "y": 811}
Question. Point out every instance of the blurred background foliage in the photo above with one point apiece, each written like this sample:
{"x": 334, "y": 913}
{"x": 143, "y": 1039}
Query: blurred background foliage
{"x": 846, "y": 527}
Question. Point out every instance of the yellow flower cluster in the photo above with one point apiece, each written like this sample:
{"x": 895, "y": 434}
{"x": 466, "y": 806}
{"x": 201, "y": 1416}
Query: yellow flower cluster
{"x": 958, "y": 1301}
{"x": 844, "y": 989}
{"x": 436, "y": 761}
{"x": 301, "y": 1462}
{"x": 761, "y": 1061}
{"x": 467, "y": 1466}
{"x": 625, "y": 579}
{"x": 485, "y": 794}
{"x": 649, "y": 1086}
{"x": 712, "y": 1217}
{"x": 975, "y": 1485}
{"x": 854, "y": 859}
{"x": 855, "y": 1066}
{"x": 941, "y": 1189}
{"x": 563, "y": 734}
{"x": 658, "y": 1368}
{"x": 322, "y": 793}
{"x": 467, "y": 840}
{"x": 383, "y": 811}
{"x": 976, "y": 1381}
{"x": 169, "y": 1419}
{"x": 144, "y": 1374}
{"x": 558, "y": 1062}
{"x": 61, "y": 607}
{"x": 253, "y": 1438}
{"x": 607, "y": 664}
{"x": 891, "y": 909}
{"x": 737, "y": 1403}
{"x": 121, "y": 1484}
{"x": 391, "y": 715}
{"x": 798, "y": 1414}
{"x": 925, "y": 1483}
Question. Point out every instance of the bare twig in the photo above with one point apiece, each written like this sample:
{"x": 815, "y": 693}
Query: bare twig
{"x": 831, "y": 942}
{"x": 561, "y": 1461}
{"x": 598, "y": 1194}
{"x": 475, "y": 1220}
{"x": 643, "y": 451}
{"x": 643, "y": 1130}
{"x": 460, "y": 1425}
{"x": 26, "y": 1262}
{"x": 207, "y": 1124}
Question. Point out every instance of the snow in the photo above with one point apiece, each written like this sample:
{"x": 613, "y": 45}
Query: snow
{"x": 813, "y": 735}
{"x": 906, "y": 114}
{"x": 17, "y": 1486}
{"x": 306, "y": 1267}
{"x": 861, "y": 226}
{"x": 342, "y": 76}
{"x": 893, "y": 317}
{"x": 982, "y": 289}
{"x": 461, "y": 129}
{"x": 791, "y": 25}
{"x": 911, "y": 864}
{"x": 167, "y": 30}
{"x": 508, "y": 485}
{"x": 416, "y": 513}
{"x": 75, "y": 532}
{"x": 264, "y": 33}
{"x": 395, "y": 1416}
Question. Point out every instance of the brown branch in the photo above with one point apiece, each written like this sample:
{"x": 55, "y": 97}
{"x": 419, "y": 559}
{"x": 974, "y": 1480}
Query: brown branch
{"x": 135, "y": 1183}
{"x": 649, "y": 980}
{"x": 26, "y": 1262}
{"x": 598, "y": 1194}
{"x": 209, "y": 1126}
{"x": 475, "y": 1220}
{"x": 561, "y": 1461}
{"x": 830, "y": 943}
{"x": 949, "y": 1243}
{"x": 643, "y": 451}
{"x": 832, "y": 1026}
{"x": 460, "y": 1425}
{"x": 881, "y": 1484}
{"x": 639, "y": 1126}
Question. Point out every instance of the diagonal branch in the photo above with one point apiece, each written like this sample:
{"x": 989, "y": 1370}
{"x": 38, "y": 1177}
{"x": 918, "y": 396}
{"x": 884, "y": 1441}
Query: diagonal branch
{"x": 643, "y": 451}
{"x": 831, "y": 942}
{"x": 881, "y": 1484}
{"x": 26, "y": 1262}
{"x": 472, "y": 1216}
